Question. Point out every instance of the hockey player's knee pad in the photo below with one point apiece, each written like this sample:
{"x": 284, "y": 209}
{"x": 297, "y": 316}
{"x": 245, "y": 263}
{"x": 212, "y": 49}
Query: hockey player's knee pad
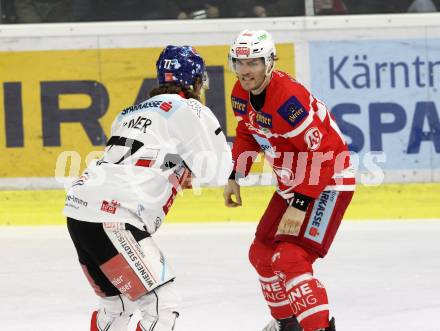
{"x": 260, "y": 255}
{"x": 290, "y": 260}
{"x": 159, "y": 308}
{"x": 113, "y": 315}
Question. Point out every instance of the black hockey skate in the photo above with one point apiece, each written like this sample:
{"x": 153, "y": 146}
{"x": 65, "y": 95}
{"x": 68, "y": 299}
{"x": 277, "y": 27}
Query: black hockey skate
{"x": 332, "y": 326}
{"x": 287, "y": 324}
{"x": 291, "y": 324}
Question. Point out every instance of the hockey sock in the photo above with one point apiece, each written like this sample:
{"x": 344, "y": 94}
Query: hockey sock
{"x": 276, "y": 297}
{"x": 274, "y": 292}
{"x": 309, "y": 303}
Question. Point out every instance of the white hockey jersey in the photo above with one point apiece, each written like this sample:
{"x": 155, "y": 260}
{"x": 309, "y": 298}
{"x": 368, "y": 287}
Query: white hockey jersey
{"x": 153, "y": 146}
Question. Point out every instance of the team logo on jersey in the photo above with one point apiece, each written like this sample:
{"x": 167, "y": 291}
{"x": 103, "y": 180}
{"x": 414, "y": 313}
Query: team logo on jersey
{"x": 292, "y": 111}
{"x": 263, "y": 119}
{"x": 313, "y": 138}
{"x": 284, "y": 174}
{"x": 239, "y": 105}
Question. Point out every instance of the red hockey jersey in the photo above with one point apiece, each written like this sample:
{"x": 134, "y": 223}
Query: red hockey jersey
{"x": 298, "y": 135}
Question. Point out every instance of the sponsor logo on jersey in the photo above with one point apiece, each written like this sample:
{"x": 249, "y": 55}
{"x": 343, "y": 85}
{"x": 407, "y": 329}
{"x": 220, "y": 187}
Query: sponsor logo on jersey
{"x": 81, "y": 179}
{"x": 140, "y": 123}
{"x": 166, "y": 106}
{"x": 263, "y": 119}
{"x": 195, "y": 105}
{"x": 313, "y": 138}
{"x": 320, "y": 216}
{"x": 239, "y": 105}
{"x": 265, "y": 145}
{"x": 75, "y": 202}
{"x": 292, "y": 111}
{"x": 147, "y": 104}
{"x": 110, "y": 207}
{"x": 242, "y": 51}
{"x": 313, "y": 231}
{"x": 253, "y": 126}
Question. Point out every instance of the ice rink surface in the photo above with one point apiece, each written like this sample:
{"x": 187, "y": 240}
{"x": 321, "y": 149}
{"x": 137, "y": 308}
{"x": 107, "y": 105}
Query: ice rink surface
{"x": 380, "y": 276}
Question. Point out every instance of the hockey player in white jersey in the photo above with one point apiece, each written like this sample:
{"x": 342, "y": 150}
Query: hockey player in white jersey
{"x": 115, "y": 206}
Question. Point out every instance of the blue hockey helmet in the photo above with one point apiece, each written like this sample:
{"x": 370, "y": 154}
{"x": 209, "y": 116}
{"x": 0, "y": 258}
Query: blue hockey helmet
{"x": 180, "y": 64}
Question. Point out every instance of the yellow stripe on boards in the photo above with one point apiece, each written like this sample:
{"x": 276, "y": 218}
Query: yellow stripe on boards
{"x": 391, "y": 201}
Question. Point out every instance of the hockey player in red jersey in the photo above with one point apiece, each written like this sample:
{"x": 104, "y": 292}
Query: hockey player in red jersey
{"x": 315, "y": 182}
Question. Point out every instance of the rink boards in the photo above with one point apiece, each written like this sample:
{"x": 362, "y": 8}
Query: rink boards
{"x": 392, "y": 202}
{"x": 379, "y": 75}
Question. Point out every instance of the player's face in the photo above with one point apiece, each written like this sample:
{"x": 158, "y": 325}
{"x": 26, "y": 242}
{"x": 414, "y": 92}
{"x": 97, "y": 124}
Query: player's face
{"x": 250, "y": 73}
